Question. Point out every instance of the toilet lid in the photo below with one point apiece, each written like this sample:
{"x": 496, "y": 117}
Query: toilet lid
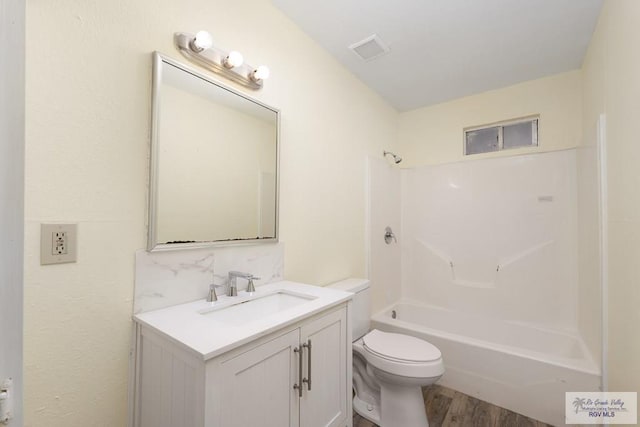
{"x": 400, "y": 347}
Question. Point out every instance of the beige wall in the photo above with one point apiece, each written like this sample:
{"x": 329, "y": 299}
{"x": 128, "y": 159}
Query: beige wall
{"x": 88, "y": 114}
{"x": 433, "y": 134}
{"x": 612, "y": 87}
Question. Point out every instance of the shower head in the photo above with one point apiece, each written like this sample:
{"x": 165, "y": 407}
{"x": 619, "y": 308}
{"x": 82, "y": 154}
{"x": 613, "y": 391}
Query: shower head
{"x": 396, "y": 159}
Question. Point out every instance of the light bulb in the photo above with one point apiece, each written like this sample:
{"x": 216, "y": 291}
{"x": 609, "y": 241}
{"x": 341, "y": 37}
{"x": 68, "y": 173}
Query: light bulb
{"x": 202, "y": 41}
{"x": 233, "y": 59}
{"x": 260, "y": 73}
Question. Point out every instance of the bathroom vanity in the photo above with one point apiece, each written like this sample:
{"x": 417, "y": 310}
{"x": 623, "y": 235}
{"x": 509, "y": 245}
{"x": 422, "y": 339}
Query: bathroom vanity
{"x": 278, "y": 357}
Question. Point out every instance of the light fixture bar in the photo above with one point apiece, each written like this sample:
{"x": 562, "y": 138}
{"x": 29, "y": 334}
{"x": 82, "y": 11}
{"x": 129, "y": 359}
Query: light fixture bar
{"x": 216, "y": 60}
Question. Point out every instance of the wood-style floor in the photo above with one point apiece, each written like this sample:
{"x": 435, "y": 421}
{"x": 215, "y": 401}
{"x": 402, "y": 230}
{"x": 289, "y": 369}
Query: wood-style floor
{"x": 448, "y": 408}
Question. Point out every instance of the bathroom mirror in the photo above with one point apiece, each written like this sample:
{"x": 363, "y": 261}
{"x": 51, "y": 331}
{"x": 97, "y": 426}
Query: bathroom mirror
{"x": 214, "y": 162}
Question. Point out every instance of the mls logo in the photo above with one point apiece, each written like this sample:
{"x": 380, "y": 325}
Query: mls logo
{"x": 600, "y": 407}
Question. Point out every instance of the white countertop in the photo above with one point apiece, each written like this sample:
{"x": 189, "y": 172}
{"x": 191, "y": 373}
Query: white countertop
{"x": 185, "y": 325}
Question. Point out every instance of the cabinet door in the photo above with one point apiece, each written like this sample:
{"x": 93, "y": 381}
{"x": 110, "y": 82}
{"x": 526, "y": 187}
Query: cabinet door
{"x": 324, "y": 403}
{"x": 257, "y": 386}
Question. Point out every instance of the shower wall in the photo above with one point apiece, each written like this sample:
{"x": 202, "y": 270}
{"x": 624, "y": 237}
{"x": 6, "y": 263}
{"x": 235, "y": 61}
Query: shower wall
{"x": 384, "y": 205}
{"x": 589, "y": 256}
{"x": 495, "y": 237}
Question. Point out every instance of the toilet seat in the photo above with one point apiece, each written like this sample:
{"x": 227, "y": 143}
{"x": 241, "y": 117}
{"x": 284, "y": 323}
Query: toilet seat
{"x": 400, "y": 347}
{"x": 402, "y": 355}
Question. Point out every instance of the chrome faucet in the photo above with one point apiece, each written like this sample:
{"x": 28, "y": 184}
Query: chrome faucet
{"x": 233, "y": 285}
{"x": 212, "y": 296}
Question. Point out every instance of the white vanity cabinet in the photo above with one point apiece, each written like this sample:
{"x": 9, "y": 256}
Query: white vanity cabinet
{"x": 296, "y": 376}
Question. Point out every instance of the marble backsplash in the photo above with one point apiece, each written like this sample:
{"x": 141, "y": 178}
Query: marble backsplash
{"x": 168, "y": 278}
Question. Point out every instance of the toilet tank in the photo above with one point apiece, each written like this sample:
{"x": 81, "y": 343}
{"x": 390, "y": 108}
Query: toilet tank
{"x": 361, "y": 306}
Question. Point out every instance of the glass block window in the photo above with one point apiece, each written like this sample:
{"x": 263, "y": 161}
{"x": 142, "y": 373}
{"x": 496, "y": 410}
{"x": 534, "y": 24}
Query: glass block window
{"x": 501, "y": 136}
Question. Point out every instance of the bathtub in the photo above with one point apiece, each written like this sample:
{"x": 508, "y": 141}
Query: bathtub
{"x": 513, "y": 365}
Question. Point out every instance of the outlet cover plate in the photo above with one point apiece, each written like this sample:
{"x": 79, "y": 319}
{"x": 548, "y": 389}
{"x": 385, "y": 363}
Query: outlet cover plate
{"x": 58, "y": 243}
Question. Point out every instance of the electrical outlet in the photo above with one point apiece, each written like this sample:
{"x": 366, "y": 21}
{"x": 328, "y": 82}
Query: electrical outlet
{"x": 58, "y": 243}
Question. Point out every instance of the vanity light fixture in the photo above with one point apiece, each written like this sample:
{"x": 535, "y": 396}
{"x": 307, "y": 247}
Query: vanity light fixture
{"x": 260, "y": 73}
{"x": 234, "y": 59}
{"x": 201, "y": 41}
{"x": 199, "y": 48}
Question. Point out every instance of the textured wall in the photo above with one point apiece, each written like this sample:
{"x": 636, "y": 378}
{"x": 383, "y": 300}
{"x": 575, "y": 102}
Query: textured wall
{"x": 433, "y": 134}
{"x": 88, "y": 124}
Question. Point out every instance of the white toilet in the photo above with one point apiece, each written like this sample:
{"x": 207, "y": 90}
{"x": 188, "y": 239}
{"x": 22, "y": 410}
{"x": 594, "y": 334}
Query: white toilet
{"x": 389, "y": 369}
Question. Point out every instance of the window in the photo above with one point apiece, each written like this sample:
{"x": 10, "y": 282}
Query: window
{"x": 501, "y": 136}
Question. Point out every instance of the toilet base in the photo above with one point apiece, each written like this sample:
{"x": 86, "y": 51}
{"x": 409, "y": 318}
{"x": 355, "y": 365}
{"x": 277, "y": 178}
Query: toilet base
{"x": 402, "y": 406}
{"x": 385, "y": 395}
{"x": 366, "y": 410}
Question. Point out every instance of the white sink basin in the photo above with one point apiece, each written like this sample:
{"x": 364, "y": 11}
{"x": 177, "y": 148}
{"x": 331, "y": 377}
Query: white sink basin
{"x": 256, "y": 307}
{"x": 211, "y": 329}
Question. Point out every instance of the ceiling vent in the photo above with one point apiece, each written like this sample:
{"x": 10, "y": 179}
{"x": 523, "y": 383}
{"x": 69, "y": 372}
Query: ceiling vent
{"x": 370, "y": 48}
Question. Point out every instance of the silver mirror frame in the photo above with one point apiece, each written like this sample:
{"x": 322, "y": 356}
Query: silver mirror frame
{"x": 152, "y": 242}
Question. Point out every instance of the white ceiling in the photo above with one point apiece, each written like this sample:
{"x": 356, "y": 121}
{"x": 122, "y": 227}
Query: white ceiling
{"x": 446, "y": 49}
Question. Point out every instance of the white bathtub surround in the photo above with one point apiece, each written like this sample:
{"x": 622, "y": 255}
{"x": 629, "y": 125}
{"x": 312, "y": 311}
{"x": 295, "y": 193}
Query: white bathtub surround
{"x": 590, "y": 263}
{"x": 164, "y": 279}
{"x": 513, "y": 365}
{"x": 500, "y": 270}
{"x": 495, "y": 237}
{"x": 384, "y": 206}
